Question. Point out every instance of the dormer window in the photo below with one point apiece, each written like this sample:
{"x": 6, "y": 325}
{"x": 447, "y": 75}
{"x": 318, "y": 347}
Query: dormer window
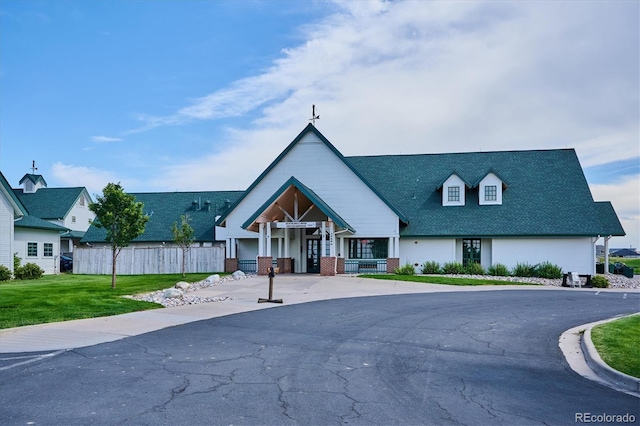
{"x": 490, "y": 189}
{"x": 453, "y": 193}
{"x": 453, "y": 190}
{"x": 490, "y": 193}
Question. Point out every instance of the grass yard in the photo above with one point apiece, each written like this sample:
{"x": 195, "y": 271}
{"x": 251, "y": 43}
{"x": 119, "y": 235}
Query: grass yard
{"x": 436, "y": 279}
{"x": 618, "y": 343}
{"x": 66, "y": 297}
{"x": 630, "y": 262}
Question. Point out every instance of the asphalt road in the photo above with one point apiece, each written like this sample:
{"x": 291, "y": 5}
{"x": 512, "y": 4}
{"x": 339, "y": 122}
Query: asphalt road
{"x": 470, "y": 358}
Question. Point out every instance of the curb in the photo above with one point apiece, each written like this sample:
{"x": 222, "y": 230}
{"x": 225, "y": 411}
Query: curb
{"x": 596, "y": 363}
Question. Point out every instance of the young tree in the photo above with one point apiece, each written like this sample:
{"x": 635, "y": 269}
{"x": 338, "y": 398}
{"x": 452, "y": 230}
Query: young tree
{"x": 183, "y": 236}
{"x": 121, "y": 216}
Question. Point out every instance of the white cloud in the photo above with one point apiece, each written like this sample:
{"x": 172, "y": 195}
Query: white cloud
{"x": 103, "y": 139}
{"x": 92, "y": 178}
{"x": 426, "y": 77}
{"x": 625, "y": 197}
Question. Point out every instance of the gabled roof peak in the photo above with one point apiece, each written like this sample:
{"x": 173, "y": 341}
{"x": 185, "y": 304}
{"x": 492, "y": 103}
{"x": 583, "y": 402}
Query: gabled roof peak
{"x": 454, "y": 173}
{"x": 309, "y": 128}
{"x": 33, "y": 178}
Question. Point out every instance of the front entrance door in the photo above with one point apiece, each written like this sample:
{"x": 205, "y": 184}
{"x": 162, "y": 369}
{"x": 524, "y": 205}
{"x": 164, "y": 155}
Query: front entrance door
{"x": 470, "y": 251}
{"x": 313, "y": 256}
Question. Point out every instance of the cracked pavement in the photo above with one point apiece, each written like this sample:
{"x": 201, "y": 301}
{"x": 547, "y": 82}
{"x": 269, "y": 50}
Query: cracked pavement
{"x": 463, "y": 358}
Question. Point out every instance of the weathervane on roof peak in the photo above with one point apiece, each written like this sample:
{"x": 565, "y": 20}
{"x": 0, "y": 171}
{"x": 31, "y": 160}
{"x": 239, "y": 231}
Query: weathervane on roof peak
{"x": 33, "y": 167}
{"x": 314, "y": 117}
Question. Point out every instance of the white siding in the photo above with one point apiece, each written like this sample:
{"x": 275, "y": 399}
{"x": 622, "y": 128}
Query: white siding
{"x": 247, "y": 248}
{"x": 22, "y": 236}
{"x": 421, "y": 250}
{"x": 571, "y": 254}
{"x": 82, "y": 215}
{"x": 6, "y": 233}
{"x": 316, "y": 166}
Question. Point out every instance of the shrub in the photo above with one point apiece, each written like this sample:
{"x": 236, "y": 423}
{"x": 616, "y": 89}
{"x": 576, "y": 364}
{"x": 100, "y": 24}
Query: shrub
{"x": 431, "y": 267}
{"x": 407, "y": 269}
{"x": 16, "y": 261}
{"x": 600, "y": 281}
{"x": 30, "y": 271}
{"x": 474, "y": 268}
{"x": 523, "y": 270}
{"x": 498, "y": 270}
{"x": 548, "y": 270}
{"x": 5, "y": 273}
{"x": 453, "y": 268}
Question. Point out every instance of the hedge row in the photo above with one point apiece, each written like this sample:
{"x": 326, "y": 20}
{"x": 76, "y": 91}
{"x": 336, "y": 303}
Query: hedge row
{"x": 541, "y": 270}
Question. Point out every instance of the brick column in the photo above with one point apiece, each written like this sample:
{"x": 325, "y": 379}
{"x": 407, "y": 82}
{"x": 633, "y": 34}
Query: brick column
{"x": 327, "y": 265}
{"x": 264, "y": 263}
{"x": 340, "y": 266}
{"x": 231, "y": 264}
{"x": 284, "y": 263}
{"x": 392, "y": 264}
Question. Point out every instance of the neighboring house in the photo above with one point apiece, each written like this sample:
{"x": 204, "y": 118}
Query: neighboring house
{"x": 625, "y": 253}
{"x": 314, "y": 210}
{"x": 67, "y": 207}
{"x": 32, "y": 239}
{"x": 165, "y": 208}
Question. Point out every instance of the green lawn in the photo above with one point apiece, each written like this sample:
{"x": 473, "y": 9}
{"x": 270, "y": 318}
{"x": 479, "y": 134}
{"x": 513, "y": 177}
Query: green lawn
{"x": 618, "y": 343}
{"x": 630, "y": 262}
{"x": 65, "y": 297}
{"x": 436, "y": 279}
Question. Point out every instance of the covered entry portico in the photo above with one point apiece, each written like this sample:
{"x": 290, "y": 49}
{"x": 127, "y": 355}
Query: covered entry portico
{"x": 300, "y": 229}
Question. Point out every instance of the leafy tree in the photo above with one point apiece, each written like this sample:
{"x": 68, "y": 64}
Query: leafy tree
{"x": 183, "y": 236}
{"x": 121, "y": 216}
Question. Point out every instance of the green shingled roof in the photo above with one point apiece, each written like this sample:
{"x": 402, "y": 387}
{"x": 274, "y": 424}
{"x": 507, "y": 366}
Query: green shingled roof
{"x": 33, "y": 222}
{"x": 6, "y": 188}
{"x": 33, "y": 178}
{"x": 165, "y": 208}
{"x": 50, "y": 203}
{"x": 312, "y": 196}
{"x": 547, "y": 194}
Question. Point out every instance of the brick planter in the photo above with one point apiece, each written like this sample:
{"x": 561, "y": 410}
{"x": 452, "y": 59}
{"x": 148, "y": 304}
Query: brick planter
{"x": 264, "y": 263}
{"x": 327, "y": 266}
{"x": 340, "y": 266}
{"x": 393, "y": 263}
{"x": 284, "y": 263}
{"x": 231, "y": 264}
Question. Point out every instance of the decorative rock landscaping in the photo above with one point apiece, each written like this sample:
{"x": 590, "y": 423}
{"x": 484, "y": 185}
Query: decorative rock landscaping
{"x": 615, "y": 281}
{"x": 179, "y": 294}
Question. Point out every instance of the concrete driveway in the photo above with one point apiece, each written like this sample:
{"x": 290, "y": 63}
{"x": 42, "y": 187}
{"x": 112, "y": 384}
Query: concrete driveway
{"x": 440, "y": 357}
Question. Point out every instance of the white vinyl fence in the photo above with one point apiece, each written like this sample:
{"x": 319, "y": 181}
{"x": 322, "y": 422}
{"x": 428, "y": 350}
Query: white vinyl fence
{"x": 140, "y": 261}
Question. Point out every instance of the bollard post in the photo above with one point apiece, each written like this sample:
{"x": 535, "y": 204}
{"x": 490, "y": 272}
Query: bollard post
{"x": 272, "y": 274}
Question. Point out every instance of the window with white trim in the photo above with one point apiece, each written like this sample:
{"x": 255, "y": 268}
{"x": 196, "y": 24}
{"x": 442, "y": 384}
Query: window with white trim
{"x": 491, "y": 193}
{"x": 453, "y": 193}
{"x": 32, "y": 249}
{"x": 48, "y": 250}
